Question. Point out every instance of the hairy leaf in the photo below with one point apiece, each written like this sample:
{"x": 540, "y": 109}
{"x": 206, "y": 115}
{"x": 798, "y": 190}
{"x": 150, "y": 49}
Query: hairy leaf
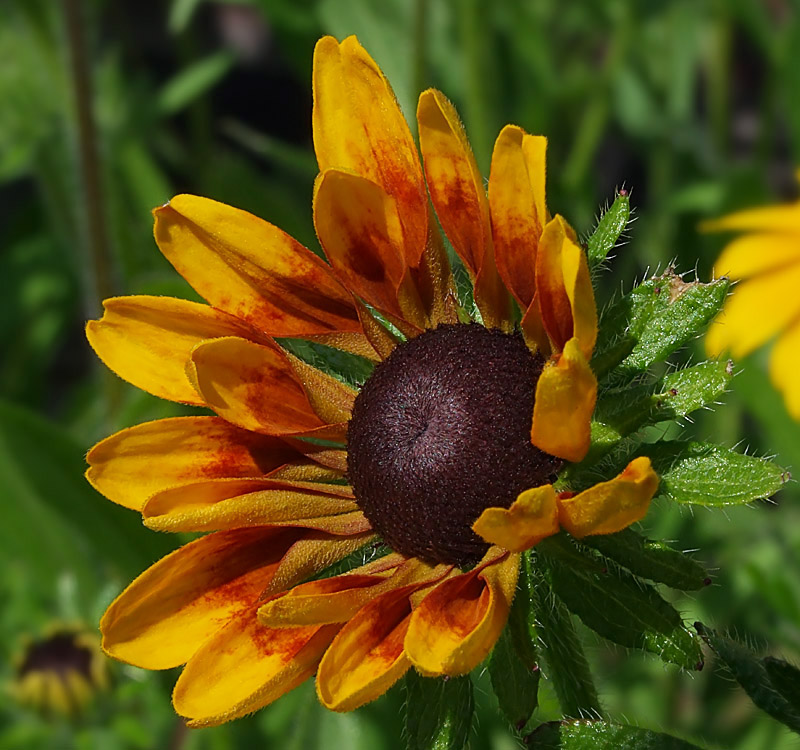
{"x": 619, "y": 607}
{"x": 756, "y": 676}
{"x": 438, "y": 712}
{"x": 602, "y": 735}
{"x": 648, "y": 559}
{"x": 611, "y": 225}
{"x": 707, "y": 474}
{"x": 653, "y": 320}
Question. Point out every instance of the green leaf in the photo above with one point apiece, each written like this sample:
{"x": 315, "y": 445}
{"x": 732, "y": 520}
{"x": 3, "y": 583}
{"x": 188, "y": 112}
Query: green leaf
{"x": 348, "y": 368}
{"x": 648, "y": 559}
{"x": 193, "y": 81}
{"x": 622, "y": 411}
{"x": 514, "y": 665}
{"x": 611, "y": 225}
{"x": 618, "y": 606}
{"x": 438, "y": 712}
{"x": 602, "y": 735}
{"x": 653, "y": 320}
{"x": 753, "y": 674}
{"x": 560, "y": 647}
{"x": 785, "y": 678}
{"x": 707, "y": 474}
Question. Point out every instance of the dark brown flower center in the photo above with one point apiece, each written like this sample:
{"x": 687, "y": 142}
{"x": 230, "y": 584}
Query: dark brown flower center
{"x": 59, "y": 653}
{"x": 441, "y": 431}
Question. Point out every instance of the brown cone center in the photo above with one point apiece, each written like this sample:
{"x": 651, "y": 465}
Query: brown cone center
{"x": 441, "y": 431}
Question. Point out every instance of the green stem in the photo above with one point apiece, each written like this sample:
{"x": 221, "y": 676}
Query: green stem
{"x": 420, "y": 76}
{"x": 100, "y": 284}
{"x": 473, "y": 34}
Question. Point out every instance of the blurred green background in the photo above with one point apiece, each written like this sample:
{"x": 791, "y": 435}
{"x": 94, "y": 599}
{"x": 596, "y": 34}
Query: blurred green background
{"x": 107, "y": 109}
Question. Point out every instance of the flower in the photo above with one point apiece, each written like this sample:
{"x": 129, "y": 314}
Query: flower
{"x": 765, "y": 303}
{"x": 461, "y": 426}
{"x": 60, "y": 672}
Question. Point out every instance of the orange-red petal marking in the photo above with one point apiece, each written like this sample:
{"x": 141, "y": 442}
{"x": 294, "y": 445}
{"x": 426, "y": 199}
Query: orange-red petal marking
{"x": 251, "y": 269}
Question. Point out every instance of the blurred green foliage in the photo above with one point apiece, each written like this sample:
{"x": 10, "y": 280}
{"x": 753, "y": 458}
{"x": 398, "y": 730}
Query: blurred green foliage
{"x": 693, "y": 105}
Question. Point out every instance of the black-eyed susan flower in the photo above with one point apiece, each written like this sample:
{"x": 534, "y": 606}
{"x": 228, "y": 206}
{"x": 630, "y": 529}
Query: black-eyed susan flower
{"x": 766, "y": 262}
{"x": 447, "y": 455}
{"x": 61, "y": 672}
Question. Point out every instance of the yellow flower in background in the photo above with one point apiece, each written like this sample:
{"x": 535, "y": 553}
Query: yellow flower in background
{"x": 447, "y": 454}
{"x": 61, "y": 672}
{"x": 765, "y": 304}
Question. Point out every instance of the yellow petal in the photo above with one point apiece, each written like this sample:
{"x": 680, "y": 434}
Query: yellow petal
{"x": 784, "y": 366}
{"x": 331, "y": 399}
{"x": 358, "y": 127}
{"x": 167, "y": 613}
{"x": 252, "y": 386}
{"x": 758, "y": 309}
{"x": 565, "y": 398}
{"x": 338, "y": 599}
{"x": 134, "y": 464}
{"x": 367, "y": 657}
{"x": 458, "y": 622}
{"x": 532, "y": 517}
{"x": 458, "y": 195}
{"x": 231, "y": 503}
{"x": 148, "y": 341}
{"x": 519, "y": 214}
{"x": 768, "y": 219}
{"x": 251, "y": 269}
{"x": 454, "y": 182}
{"x": 610, "y": 506}
{"x": 564, "y": 288}
{"x": 245, "y": 667}
{"x": 755, "y": 254}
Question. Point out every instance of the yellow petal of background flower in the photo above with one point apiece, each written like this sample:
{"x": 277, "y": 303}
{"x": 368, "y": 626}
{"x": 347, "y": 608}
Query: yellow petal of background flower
{"x": 226, "y": 504}
{"x": 610, "y": 506}
{"x": 251, "y": 269}
{"x": 532, "y": 517}
{"x": 565, "y": 398}
{"x": 757, "y": 310}
{"x": 367, "y": 657}
{"x": 754, "y": 254}
{"x": 517, "y": 202}
{"x": 358, "y": 127}
{"x": 252, "y": 386}
{"x": 768, "y": 219}
{"x": 784, "y": 366}
{"x": 134, "y": 464}
{"x": 245, "y": 667}
{"x": 167, "y": 613}
{"x": 148, "y": 341}
{"x": 458, "y": 195}
{"x": 458, "y": 622}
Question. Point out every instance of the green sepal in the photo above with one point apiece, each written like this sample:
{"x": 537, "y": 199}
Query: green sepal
{"x": 649, "y": 559}
{"x": 344, "y": 366}
{"x": 708, "y": 474}
{"x": 778, "y": 697}
{"x": 607, "y": 233}
{"x": 560, "y": 648}
{"x": 652, "y": 321}
{"x": 618, "y": 606}
{"x": 602, "y": 735}
{"x": 438, "y": 712}
{"x": 514, "y": 663}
